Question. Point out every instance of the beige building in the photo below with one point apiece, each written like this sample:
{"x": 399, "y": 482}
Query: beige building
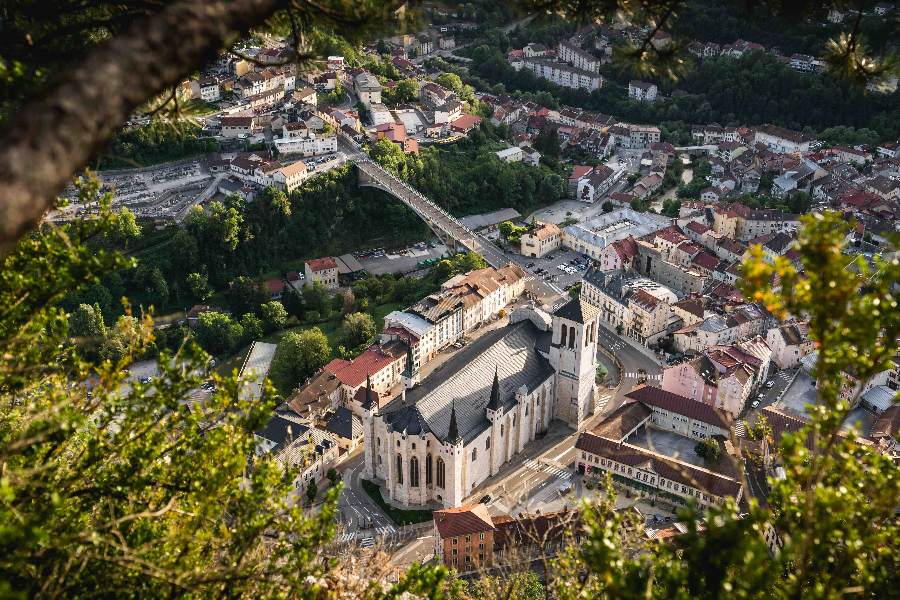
{"x": 541, "y": 240}
{"x": 323, "y": 270}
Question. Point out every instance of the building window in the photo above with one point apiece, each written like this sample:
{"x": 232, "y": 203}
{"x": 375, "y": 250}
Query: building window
{"x": 562, "y": 341}
{"x": 455, "y": 542}
{"x": 481, "y": 537}
{"x": 379, "y": 442}
{"x": 414, "y": 446}
{"x": 428, "y": 470}
{"x": 501, "y": 430}
{"x": 468, "y": 538}
{"x": 455, "y": 551}
{"x": 414, "y": 472}
{"x": 440, "y": 473}
{"x": 474, "y": 454}
{"x": 487, "y": 443}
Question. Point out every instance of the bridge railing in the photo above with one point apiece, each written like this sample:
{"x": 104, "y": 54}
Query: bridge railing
{"x": 396, "y": 182}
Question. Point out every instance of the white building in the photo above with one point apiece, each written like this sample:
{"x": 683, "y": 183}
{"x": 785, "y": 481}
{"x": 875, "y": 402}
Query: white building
{"x": 640, "y": 90}
{"x": 562, "y": 74}
{"x": 439, "y": 440}
{"x": 580, "y": 59}
{"x": 308, "y": 145}
{"x": 206, "y": 88}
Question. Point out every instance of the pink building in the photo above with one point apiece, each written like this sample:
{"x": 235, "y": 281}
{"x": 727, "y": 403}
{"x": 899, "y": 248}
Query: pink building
{"x": 697, "y": 379}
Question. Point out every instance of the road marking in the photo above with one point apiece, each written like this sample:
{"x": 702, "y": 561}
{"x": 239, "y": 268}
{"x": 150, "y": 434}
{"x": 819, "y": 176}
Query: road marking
{"x": 426, "y": 537}
{"x": 564, "y": 452}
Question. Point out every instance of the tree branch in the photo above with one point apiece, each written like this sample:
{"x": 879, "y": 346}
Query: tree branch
{"x": 69, "y": 121}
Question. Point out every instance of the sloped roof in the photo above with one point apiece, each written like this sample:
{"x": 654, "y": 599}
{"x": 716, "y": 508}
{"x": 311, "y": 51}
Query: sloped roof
{"x": 577, "y": 310}
{"x": 463, "y": 520}
{"x": 668, "y": 468}
{"x": 888, "y": 423}
{"x": 622, "y": 421}
{"x": 314, "y": 395}
{"x": 467, "y": 379}
{"x": 681, "y": 405}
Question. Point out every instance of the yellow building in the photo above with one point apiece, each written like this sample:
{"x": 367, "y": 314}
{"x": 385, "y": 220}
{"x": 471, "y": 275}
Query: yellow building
{"x": 543, "y": 239}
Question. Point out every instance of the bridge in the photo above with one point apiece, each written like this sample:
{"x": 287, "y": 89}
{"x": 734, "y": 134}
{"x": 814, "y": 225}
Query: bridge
{"x": 454, "y": 234}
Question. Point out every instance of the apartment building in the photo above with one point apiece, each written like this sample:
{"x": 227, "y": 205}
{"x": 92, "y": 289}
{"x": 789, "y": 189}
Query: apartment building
{"x": 543, "y": 239}
{"x": 323, "y": 270}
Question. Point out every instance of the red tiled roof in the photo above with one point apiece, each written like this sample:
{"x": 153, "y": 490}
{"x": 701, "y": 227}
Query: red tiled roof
{"x": 274, "y": 285}
{"x": 707, "y": 261}
{"x": 463, "y": 520}
{"x": 698, "y": 228}
{"x": 682, "y": 405}
{"x": 668, "y": 468}
{"x": 353, "y": 372}
{"x": 318, "y": 264}
{"x": 579, "y": 171}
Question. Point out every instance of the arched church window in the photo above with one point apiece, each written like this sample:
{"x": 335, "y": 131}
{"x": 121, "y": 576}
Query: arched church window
{"x": 399, "y": 469}
{"x": 414, "y": 472}
{"x": 562, "y": 341}
{"x": 571, "y": 337}
{"x": 441, "y": 473}
{"x": 428, "y": 470}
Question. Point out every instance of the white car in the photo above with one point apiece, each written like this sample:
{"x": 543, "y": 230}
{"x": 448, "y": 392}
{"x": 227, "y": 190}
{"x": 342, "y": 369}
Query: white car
{"x": 770, "y": 383}
{"x": 755, "y": 404}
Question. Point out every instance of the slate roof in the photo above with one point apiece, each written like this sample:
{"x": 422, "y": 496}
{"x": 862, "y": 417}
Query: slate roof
{"x": 345, "y": 424}
{"x": 577, "y": 310}
{"x": 280, "y": 431}
{"x": 467, "y": 379}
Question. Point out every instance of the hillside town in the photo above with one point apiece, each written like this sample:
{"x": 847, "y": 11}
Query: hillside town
{"x": 613, "y": 343}
{"x": 474, "y": 367}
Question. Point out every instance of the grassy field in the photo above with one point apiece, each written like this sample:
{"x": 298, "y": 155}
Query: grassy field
{"x": 398, "y": 516}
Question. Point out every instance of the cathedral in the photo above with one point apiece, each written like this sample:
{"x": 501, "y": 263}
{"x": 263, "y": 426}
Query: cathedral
{"x": 442, "y": 437}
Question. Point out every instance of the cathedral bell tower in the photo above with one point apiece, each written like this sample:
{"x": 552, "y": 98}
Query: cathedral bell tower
{"x": 410, "y": 375}
{"x": 573, "y": 355}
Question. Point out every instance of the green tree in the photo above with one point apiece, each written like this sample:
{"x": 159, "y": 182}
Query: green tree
{"x": 301, "y": 354}
{"x": 199, "y": 286}
{"x": 217, "y": 333}
{"x": 123, "y": 229}
{"x": 292, "y": 302}
{"x": 358, "y": 328}
{"x": 637, "y": 205}
{"x": 315, "y": 298}
{"x": 332, "y": 475}
{"x": 707, "y": 449}
{"x": 406, "y": 90}
{"x": 388, "y": 154}
{"x": 274, "y": 316}
{"x": 87, "y": 322}
{"x": 451, "y": 81}
{"x": 245, "y": 297}
{"x": 349, "y": 304}
{"x": 506, "y": 228}
{"x": 252, "y": 327}
{"x": 311, "y": 490}
{"x": 608, "y": 207}
{"x": 160, "y": 287}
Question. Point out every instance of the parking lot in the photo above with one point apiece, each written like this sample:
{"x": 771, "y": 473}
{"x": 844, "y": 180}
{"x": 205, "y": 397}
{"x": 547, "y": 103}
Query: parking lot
{"x": 406, "y": 260}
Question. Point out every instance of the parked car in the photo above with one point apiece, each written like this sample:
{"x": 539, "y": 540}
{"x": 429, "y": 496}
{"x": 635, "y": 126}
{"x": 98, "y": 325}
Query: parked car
{"x": 770, "y": 383}
{"x": 755, "y": 403}
{"x": 485, "y": 499}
